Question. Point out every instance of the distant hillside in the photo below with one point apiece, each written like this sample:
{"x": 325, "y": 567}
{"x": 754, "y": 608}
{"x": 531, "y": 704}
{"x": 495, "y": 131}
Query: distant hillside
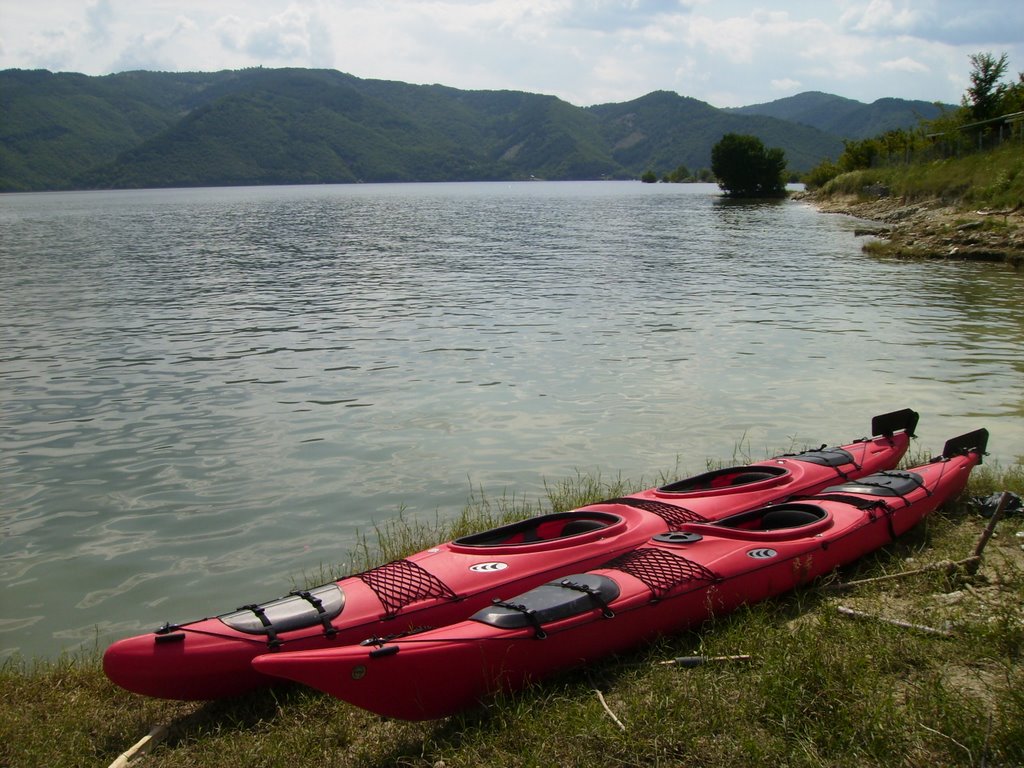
{"x": 846, "y": 118}
{"x": 663, "y": 130}
{"x": 54, "y": 127}
{"x": 288, "y": 126}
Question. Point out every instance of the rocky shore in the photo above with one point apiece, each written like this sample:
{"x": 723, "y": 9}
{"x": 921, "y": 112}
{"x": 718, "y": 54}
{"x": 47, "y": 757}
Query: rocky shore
{"x": 931, "y": 228}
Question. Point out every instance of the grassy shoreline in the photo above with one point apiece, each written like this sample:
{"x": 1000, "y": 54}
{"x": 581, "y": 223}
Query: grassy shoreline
{"x": 969, "y": 208}
{"x": 821, "y": 690}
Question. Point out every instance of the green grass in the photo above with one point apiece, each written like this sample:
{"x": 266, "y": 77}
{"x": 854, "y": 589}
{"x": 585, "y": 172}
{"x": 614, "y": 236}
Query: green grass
{"x": 821, "y": 690}
{"x": 993, "y": 180}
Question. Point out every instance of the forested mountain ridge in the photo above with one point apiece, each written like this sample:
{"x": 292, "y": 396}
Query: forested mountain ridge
{"x": 287, "y": 126}
{"x": 662, "y": 130}
{"x": 847, "y": 118}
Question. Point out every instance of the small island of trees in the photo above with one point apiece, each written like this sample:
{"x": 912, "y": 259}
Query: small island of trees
{"x": 742, "y": 165}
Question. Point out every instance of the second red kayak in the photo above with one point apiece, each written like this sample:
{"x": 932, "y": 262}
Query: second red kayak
{"x": 671, "y": 581}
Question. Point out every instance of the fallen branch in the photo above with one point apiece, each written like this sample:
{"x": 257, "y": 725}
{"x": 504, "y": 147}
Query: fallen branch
{"x": 950, "y": 566}
{"x": 1003, "y": 212}
{"x": 989, "y": 530}
{"x": 600, "y": 697}
{"x": 979, "y": 597}
{"x": 140, "y": 747}
{"x": 852, "y": 613}
{"x": 970, "y": 757}
{"x": 970, "y": 564}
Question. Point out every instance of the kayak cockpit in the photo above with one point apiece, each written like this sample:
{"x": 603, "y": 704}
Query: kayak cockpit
{"x": 782, "y": 521}
{"x": 727, "y": 480}
{"x": 777, "y": 518}
{"x": 754, "y": 476}
{"x": 559, "y": 526}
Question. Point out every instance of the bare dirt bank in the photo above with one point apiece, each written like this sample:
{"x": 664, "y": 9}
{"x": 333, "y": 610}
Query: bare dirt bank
{"x": 931, "y": 228}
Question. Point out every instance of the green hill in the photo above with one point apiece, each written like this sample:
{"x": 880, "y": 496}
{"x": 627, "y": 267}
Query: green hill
{"x": 663, "y": 130}
{"x": 846, "y": 118}
{"x": 291, "y": 126}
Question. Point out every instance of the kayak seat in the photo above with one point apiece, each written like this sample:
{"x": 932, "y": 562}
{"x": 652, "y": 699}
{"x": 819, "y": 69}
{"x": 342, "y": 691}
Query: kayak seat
{"x": 779, "y": 519}
{"x": 555, "y": 526}
{"x": 569, "y": 596}
{"x": 576, "y": 527}
{"x": 729, "y": 477}
{"x": 751, "y": 477}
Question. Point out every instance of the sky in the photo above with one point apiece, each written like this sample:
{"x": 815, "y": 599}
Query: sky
{"x": 725, "y": 52}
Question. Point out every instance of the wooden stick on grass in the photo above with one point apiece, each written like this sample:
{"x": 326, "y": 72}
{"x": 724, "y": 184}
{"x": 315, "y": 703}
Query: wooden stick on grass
{"x": 943, "y": 565}
{"x": 142, "y": 746}
{"x": 855, "y": 614}
{"x": 989, "y": 530}
{"x": 600, "y": 697}
{"x": 971, "y": 564}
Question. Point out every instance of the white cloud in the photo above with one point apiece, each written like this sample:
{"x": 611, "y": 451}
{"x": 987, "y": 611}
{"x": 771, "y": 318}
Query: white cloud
{"x": 150, "y": 50}
{"x": 98, "y": 17}
{"x": 953, "y": 22}
{"x": 905, "y": 64}
{"x": 786, "y": 85}
{"x": 726, "y": 52}
{"x": 294, "y": 35}
{"x": 882, "y": 17}
{"x": 50, "y": 49}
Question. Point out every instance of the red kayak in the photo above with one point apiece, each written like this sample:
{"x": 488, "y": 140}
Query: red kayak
{"x": 670, "y": 581}
{"x": 211, "y": 658}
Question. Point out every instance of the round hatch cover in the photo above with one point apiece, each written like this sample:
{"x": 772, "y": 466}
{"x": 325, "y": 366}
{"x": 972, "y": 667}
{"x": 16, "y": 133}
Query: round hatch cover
{"x": 677, "y": 537}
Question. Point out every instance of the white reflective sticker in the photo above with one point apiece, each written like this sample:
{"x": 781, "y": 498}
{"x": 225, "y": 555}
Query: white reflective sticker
{"x": 488, "y": 567}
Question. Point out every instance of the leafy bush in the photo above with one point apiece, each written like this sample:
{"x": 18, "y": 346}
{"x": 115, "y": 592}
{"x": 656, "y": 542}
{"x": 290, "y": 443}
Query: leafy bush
{"x": 745, "y": 168}
{"x": 821, "y": 174}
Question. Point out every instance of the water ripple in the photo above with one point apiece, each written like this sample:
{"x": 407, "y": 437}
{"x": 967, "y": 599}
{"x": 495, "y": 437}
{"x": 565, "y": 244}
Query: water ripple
{"x": 206, "y": 392}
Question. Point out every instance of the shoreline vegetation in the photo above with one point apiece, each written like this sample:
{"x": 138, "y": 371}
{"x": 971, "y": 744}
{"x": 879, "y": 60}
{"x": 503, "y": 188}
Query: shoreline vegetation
{"x": 951, "y": 188}
{"x": 968, "y": 208}
{"x": 830, "y": 680}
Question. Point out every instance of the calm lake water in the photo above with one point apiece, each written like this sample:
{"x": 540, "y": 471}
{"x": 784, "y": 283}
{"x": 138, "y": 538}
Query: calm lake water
{"x": 207, "y": 393}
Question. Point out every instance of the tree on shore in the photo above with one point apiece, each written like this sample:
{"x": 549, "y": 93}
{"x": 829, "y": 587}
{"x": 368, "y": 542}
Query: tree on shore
{"x": 985, "y": 93}
{"x": 985, "y": 99}
{"x": 745, "y": 168}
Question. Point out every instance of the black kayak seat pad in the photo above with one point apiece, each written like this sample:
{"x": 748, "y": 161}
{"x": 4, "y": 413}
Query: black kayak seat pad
{"x": 892, "y": 483}
{"x": 559, "y": 599}
{"x": 826, "y": 457}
